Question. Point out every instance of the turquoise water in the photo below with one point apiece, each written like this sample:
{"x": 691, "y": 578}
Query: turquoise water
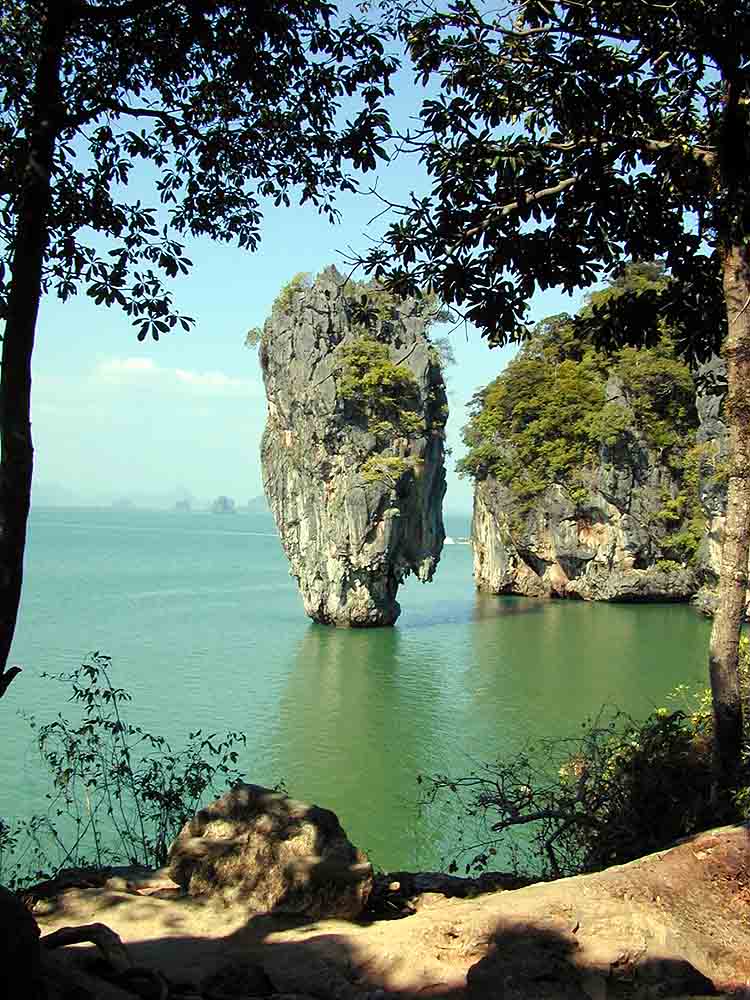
{"x": 206, "y": 630}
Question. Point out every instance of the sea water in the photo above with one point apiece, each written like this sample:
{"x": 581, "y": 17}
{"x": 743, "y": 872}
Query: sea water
{"x": 206, "y": 631}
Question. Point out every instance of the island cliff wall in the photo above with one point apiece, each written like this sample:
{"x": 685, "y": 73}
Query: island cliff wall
{"x": 600, "y": 474}
{"x": 611, "y": 541}
{"x": 353, "y": 450}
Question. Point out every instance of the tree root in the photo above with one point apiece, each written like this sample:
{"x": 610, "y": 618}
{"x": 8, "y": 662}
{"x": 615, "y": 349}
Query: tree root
{"x": 105, "y": 939}
{"x": 126, "y": 979}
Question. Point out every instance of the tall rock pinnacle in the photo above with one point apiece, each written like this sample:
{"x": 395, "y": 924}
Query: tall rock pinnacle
{"x": 353, "y": 450}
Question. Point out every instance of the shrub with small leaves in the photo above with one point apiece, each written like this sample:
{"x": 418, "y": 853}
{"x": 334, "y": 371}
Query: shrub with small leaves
{"x": 378, "y": 390}
{"x": 620, "y": 790}
{"x": 118, "y": 793}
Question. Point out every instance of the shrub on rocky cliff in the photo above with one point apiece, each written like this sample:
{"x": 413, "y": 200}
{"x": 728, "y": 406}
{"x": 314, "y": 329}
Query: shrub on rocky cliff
{"x": 531, "y": 427}
{"x": 378, "y": 390}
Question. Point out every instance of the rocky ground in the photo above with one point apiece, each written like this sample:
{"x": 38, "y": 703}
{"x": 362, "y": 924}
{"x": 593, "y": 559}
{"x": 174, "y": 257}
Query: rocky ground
{"x": 672, "y": 924}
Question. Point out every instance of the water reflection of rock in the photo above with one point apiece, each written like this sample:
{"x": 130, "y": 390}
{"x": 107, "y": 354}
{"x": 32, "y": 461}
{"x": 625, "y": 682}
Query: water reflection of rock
{"x": 492, "y": 606}
{"x": 356, "y": 724}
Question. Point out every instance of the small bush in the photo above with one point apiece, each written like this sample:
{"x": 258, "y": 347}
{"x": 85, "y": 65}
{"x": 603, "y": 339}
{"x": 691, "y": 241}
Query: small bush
{"x": 620, "y": 790}
{"x": 118, "y": 793}
{"x": 285, "y": 299}
{"x": 372, "y": 383}
{"x": 387, "y": 469}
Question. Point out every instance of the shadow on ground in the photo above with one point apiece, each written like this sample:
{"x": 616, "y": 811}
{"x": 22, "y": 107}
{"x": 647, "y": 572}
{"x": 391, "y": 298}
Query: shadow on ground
{"x": 674, "y": 924}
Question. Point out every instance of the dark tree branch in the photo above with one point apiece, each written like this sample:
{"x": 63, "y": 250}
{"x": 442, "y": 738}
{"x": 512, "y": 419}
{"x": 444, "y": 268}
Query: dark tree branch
{"x": 6, "y": 676}
{"x": 530, "y": 198}
{"x": 118, "y": 108}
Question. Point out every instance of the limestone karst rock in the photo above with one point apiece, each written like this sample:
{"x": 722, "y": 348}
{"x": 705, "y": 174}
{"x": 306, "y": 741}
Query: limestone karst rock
{"x": 353, "y": 450}
{"x": 607, "y": 544}
{"x": 604, "y": 546}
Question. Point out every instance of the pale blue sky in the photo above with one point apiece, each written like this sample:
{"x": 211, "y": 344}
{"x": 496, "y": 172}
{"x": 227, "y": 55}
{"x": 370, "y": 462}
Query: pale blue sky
{"x": 113, "y": 417}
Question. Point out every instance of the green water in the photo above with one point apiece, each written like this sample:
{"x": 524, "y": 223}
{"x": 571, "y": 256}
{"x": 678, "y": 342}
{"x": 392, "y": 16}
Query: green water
{"x": 206, "y": 630}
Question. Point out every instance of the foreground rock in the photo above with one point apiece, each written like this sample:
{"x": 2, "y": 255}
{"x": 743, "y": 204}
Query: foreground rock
{"x": 353, "y": 467}
{"x": 260, "y": 850}
{"x": 672, "y": 924}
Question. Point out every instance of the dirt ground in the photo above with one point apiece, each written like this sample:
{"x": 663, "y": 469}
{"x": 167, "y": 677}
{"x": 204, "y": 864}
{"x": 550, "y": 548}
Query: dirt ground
{"x": 673, "y": 924}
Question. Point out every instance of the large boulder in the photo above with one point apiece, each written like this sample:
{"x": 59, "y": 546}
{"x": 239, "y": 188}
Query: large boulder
{"x": 272, "y": 854}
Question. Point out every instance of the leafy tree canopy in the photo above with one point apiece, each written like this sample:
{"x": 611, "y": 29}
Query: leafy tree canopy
{"x": 217, "y": 104}
{"x": 568, "y": 138}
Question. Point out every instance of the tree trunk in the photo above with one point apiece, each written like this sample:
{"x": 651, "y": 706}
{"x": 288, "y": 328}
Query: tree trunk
{"x": 723, "y": 657}
{"x": 29, "y": 248}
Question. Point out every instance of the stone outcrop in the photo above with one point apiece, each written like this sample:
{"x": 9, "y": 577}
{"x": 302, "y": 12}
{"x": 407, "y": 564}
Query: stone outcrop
{"x": 259, "y": 849}
{"x": 356, "y": 493}
{"x": 604, "y": 546}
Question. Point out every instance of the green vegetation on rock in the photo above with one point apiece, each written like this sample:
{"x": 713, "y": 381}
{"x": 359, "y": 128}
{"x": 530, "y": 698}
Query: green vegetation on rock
{"x": 383, "y": 395}
{"x": 533, "y": 425}
{"x": 379, "y": 391}
{"x": 375, "y": 386}
{"x": 550, "y": 417}
{"x": 386, "y": 469}
{"x": 683, "y": 512}
{"x": 285, "y": 299}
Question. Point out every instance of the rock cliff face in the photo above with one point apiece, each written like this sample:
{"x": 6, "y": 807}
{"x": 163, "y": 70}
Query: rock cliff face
{"x": 353, "y": 451}
{"x": 608, "y": 544}
{"x": 600, "y": 548}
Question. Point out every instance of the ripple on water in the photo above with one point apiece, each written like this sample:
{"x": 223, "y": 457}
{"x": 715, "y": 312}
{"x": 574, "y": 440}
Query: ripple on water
{"x": 206, "y": 629}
